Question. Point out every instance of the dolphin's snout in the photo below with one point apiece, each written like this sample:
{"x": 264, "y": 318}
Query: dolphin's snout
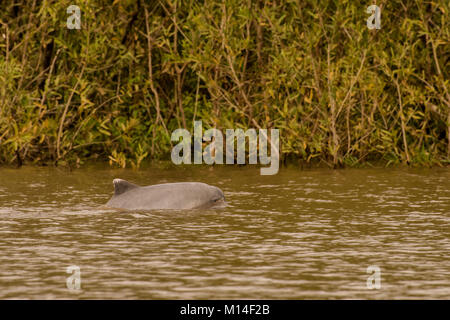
{"x": 219, "y": 198}
{"x": 219, "y": 194}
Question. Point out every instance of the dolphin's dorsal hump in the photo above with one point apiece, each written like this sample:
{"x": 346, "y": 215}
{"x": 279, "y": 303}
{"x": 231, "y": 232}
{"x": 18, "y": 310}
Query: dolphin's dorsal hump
{"x": 122, "y": 186}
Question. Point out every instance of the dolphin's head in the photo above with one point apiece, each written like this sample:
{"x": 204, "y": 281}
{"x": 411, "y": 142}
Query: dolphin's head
{"x": 216, "y": 195}
{"x": 219, "y": 194}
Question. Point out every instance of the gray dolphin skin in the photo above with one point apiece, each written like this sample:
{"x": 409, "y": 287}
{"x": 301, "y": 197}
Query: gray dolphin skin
{"x": 180, "y": 195}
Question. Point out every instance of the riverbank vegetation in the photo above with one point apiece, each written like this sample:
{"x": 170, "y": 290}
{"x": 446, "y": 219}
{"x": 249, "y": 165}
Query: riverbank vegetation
{"x": 341, "y": 94}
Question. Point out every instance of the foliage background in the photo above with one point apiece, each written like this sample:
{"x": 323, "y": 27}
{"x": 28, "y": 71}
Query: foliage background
{"x": 340, "y": 94}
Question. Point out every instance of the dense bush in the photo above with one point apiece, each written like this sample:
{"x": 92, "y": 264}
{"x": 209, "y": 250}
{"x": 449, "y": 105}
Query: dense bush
{"x": 340, "y": 93}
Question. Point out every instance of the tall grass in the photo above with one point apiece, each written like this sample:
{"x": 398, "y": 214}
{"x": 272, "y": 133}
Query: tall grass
{"x": 340, "y": 94}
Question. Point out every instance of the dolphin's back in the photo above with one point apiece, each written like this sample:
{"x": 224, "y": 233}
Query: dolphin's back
{"x": 180, "y": 195}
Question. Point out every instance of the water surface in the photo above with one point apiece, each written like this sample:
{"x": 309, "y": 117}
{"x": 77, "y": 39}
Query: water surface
{"x": 301, "y": 234}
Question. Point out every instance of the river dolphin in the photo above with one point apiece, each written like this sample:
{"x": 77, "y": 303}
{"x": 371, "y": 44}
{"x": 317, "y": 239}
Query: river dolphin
{"x": 180, "y": 195}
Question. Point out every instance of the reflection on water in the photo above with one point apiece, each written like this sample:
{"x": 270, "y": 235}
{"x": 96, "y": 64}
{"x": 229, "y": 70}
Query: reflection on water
{"x": 299, "y": 234}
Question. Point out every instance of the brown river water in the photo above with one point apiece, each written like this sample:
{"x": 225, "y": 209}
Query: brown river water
{"x": 301, "y": 234}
